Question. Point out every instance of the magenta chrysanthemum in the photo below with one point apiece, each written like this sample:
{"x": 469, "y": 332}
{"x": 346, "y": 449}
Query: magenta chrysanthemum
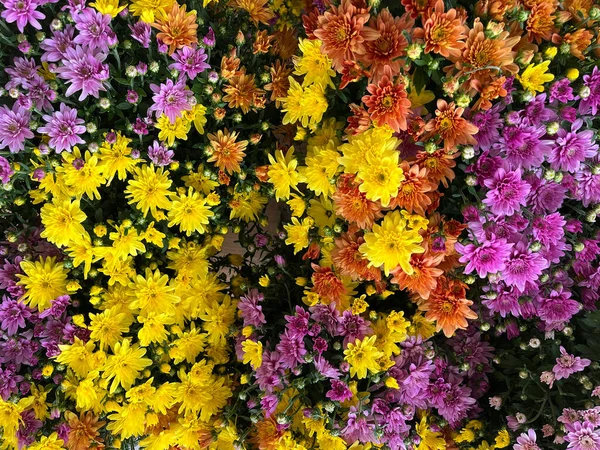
{"x": 22, "y": 12}
{"x": 94, "y": 30}
{"x": 567, "y": 364}
{"x": 14, "y": 128}
{"x": 55, "y": 48}
{"x": 171, "y": 99}
{"x": 64, "y": 128}
{"x": 486, "y": 258}
{"x": 507, "y": 192}
{"x": 84, "y": 72}
{"x": 572, "y": 148}
{"x": 190, "y": 61}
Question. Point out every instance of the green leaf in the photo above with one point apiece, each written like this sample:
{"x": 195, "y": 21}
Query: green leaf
{"x": 419, "y": 80}
{"x": 125, "y": 105}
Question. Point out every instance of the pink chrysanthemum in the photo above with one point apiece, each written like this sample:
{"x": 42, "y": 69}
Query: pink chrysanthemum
{"x": 14, "y": 128}
{"x": 170, "y": 99}
{"x": 22, "y": 12}
{"x": 507, "y": 192}
{"x": 64, "y": 128}
{"x": 84, "y": 71}
{"x": 567, "y": 364}
{"x": 486, "y": 258}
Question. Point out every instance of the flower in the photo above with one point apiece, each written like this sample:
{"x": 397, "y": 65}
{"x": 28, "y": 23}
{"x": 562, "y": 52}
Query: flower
{"x": 362, "y": 355}
{"x": 110, "y": 7}
{"x": 252, "y": 353}
{"x": 450, "y": 126}
{"x": 283, "y": 174}
{"x": 14, "y": 128}
{"x": 148, "y": 10}
{"x": 43, "y": 280}
{"x": 534, "y": 77}
{"x": 343, "y": 33}
{"x": 159, "y": 154}
{"x": 571, "y": 149}
{"x": 171, "y": 99}
{"x": 353, "y": 205}
{"x": 259, "y": 12}
{"x": 190, "y": 61}
{"x": 527, "y": 441}
{"x": 177, "y": 28}
{"x": 297, "y": 233}
{"x": 141, "y": 31}
{"x": 189, "y": 211}
{"x": 23, "y": 12}
{"x": 51, "y": 442}
{"x": 392, "y": 243}
{"x": 443, "y": 33}
{"x": 84, "y": 71}
{"x": 64, "y": 128}
{"x": 226, "y": 152}
{"x": 567, "y": 364}
{"x": 62, "y": 221}
{"x": 149, "y": 189}
{"x": 313, "y": 64}
{"x": 413, "y": 190}
{"x": 339, "y": 391}
{"x": 486, "y": 258}
{"x": 380, "y": 178}
{"x": 124, "y": 366}
{"x": 83, "y": 430}
{"x": 94, "y": 30}
{"x": 306, "y": 106}
{"x": 582, "y": 436}
{"x": 388, "y": 103}
{"x": 242, "y": 92}
{"x": 170, "y": 131}
{"x": 507, "y": 192}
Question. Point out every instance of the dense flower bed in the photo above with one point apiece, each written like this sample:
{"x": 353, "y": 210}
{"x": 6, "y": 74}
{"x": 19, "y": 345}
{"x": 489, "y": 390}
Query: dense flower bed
{"x": 412, "y": 187}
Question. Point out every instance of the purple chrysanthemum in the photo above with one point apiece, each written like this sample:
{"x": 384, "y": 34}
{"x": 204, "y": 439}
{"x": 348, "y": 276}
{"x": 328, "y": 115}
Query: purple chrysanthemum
{"x": 161, "y": 156}
{"x": 14, "y": 128}
{"x": 503, "y": 302}
{"x": 352, "y": 327}
{"x": 5, "y": 170}
{"x": 297, "y": 325}
{"x": 567, "y": 364}
{"x": 562, "y": 91}
{"x": 171, "y": 99}
{"x": 507, "y": 192}
{"x": 190, "y": 61}
{"x": 523, "y": 267}
{"x": 544, "y": 196}
{"x": 291, "y": 349}
{"x": 571, "y": 148}
{"x": 22, "y": 12}
{"x": 40, "y": 93}
{"x": 488, "y": 257}
{"x": 527, "y": 441}
{"x": 209, "y": 40}
{"x": 94, "y": 29}
{"x": 249, "y": 306}
{"x": 269, "y": 404}
{"x": 339, "y": 391}
{"x": 588, "y": 187}
{"x": 64, "y": 128}
{"x": 141, "y": 32}
{"x": 489, "y": 123}
{"x": 452, "y": 401}
{"x": 592, "y": 101}
{"x": 583, "y": 436}
{"x": 558, "y": 307}
{"x": 549, "y": 229}
{"x": 536, "y": 112}
{"x": 84, "y": 71}
{"x": 522, "y": 145}
{"x": 55, "y": 48}
{"x": 21, "y": 71}
{"x": 13, "y": 315}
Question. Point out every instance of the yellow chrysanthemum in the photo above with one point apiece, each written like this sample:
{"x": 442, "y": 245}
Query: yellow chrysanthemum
{"x": 153, "y": 293}
{"x": 502, "y": 439}
{"x": 380, "y": 178}
{"x": 252, "y": 353}
{"x": 80, "y": 357}
{"x": 44, "y": 280}
{"x": 533, "y": 78}
{"x": 218, "y": 318}
{"x": 84, "y": 176}
{"x": 375, "y": 143}
{"x": 190, "y": 212}
{"x": 115, "y": 159}
{"x": 81, "y": 250}
{"x": 153, "y": 329}
{"x": 124, "y": 366}
{"x": 313, "y": 64}
{"x": 200, "y": 181}
{"x": 320, "y": 169}
{"x": 362, "y": 355}
{"x": 62, "y": 221}
{"x": 110, "y": 7}
{"x": 197, "y": 116}
{"x": 283, "y": 173}
{"x": 430, "y": 440}
{"x": 51, "y": 442}
{"x": 306, "y": 106}
{"x": 298, "y": 233}
{"x": 246, "y": 206}
{"x": 149, "y": 189}
{"x": 107, "y": 327}
{"x": 148, "y": 10}
{"x": 391, "y": 244}
{"x": 171, "y": 131}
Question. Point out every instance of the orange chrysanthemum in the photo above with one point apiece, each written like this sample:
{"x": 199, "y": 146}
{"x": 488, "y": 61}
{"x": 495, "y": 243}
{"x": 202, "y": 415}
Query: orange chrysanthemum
{"x": 488, "y": 93}
{"x": 262, "y": 42}
{"x": 285, "y": 43}
{"x": 241, "y": 92}
{"x": 226, "y": 152}
{"x": 351, "y": 73}
{"x": 310, "y": 22}
{"x": 439, "y": 166}
{"x": 313, "y": 252}
{"x": 412, "y": 193}
{"x": 280, "y": 82}
{"x": 443, "y": 32}
{"x": 83, "y": 431}
{"x": 448, "y": 307}
{"x": 577, "y": 8}
{"x": 449, "y": 126}
{"x": 494, "y": 9}
{"x": 343, "y": 32}
{"x": 579, "y": 41}
{"x": 359, "y": 121}
{"x": 177, "y": 28}
{"x": 423, "y": 279}
{"x": 386, "y": 50}
{"x": 230, "y": 65}
{"x": 266, "y": 435}
{"x": 388, "y": 102}
{"x": 353, "y": 205}
{"x": 326, "y": 283}
{"x": 258, "y": 10}
{"x": 348, "y": 260}
{"x": 540, "y": 23}
{"x": 481, "y": 53}
{"x": 417, "y": 8}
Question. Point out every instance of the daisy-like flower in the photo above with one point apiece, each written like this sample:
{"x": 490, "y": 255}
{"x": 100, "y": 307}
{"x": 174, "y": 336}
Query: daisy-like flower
{"x": 43, "y": 280}
{"x": 571, "y": 149}
{"x": 507, "y": 192}
{"x": 6, "y": 171}
{"x": 125, "y": 365}
{"x": 380, "y": 179}
{"x": 388, "y": 102}
{"x": 283, "y": 173}
{"x": 523, "y": 267}
{"x": 149, "y": 189}
{"x": 55, "y": 47}
{"x": 423, "y": 279}
{"x": 190, "y": 61}
{"x": 343, "y": 33}
{"x": 567, "y": 364}
{"x": 14, "y": 128}
{"x": 412, "y": 193}
{"x": 386, "y": 50}
{"x": 190, "y": 212}
{"x": 83, "y": 71}
{"x": 353, "y": 205}
{"x": 148, "y": 10}
{"x": 227, "y": 152}
{"x": 417, "y": 8}
{"x": 486, "y": 258}
{"x": 83, "y": 430}
{"x": 392, "y": 243}
{"x": 280, "y": 83}
{"x": 313, "y": 64}
{"x": 362, "y": 355}
{"x": 535, "y": 76}
{"x": 258, "y": 9}
{"x": 141, "y": 32}
{"x": 64, "y": 128}
{"x": 326, "y": 283}
{"x": 171, "y": 99}
{"x": 439, "y": 166}
{"x": 450, "y": 126}
{"x": 241, "y": 92}
{"x": 348, "y": 260}
{"x": 23, "y": 12}
{"x": 443, "y": 32}
{"x": 177, "y": 28}
{"x": 94, "y": 30}
{"x": 583, "y": 436}
{"x": 540, "y": 22}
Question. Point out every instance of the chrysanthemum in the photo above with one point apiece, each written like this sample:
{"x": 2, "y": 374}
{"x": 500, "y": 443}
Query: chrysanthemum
{"x": 387, "y": 49}
{"x": 304, "y": 105}
{"x": 62, "y": 221}
{"x": 417, "y": 8}
{"x": 343, "y": 32}
{"x": 258, "y": 10}
{"x": 412, "y": 193}
{"x": 388, "y": 102}
{"x": 348, "y": 260}
{"x": 535, "y": 76}
{"x": 283, "y": 174}
{"x": 443, "y": 32}
{"x": 241, "y": 91}
{"x": 115, "y": 158}
{"x": 94, "y": 31}
{"x": 148, "y": 10}
{"x": 43, "y": 280}
{"x": 375, "y": 142}
{"x": 486, "y": 258}
{"x": 326, "y": 283}
{"x": 449, "y": 126}
{"x": 507, "y": 192}
{"x": 423, "y": 279}
{"x": 169, "y": 131}
{"x": 23, "y": 12}
{"x": 227, "y": 152}
{"x": 177, "y": 28}
{"x": 246, "y": 206}
{"x": 171, "y": 99}
{"x": 83, "y": 431}
{"x": 297, "y": 233}
{"x": 540, "y": 22}
{"x": 190, "y": 212}
{"x": 280, "y": 83}
{"x": 523, "y": 267}
{"x": 14, "y": 128}
{"x": 190, "y": 61}
{"x": 313, "y": 64}
{"x": 107, "y": 327}
{"x": 149, "y": 189}
{"x": 579, "y": 41}
{"x": 362, "y": 355}
{"x": 87, "y": 179}
{"x": 448, "y": 306}
{"x": 64, "y": 128}
{"x": 380, "y": 179}
{"x": 83, "y": 71}
{"x": 320, "y": 169}
{"x": 125, "y": 365}
{"x": 353, "y": 205}
{"x": 392, "y": 243}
